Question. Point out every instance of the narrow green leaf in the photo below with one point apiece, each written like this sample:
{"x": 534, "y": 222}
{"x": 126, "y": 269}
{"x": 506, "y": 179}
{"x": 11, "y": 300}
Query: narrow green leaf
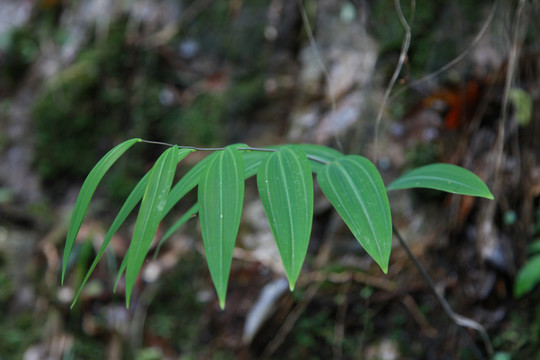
{"x": 190, "y": 180}
{"x": 221, "y": 194}
{"x": 183, "y": 219}
{"x": 87, "y": 191}
{"x": 187, "y": 183}
{"x": 252, "y": 160}
{"x": 355, "y": 189}
{"x": 285, "y": 186}
{"x": 528, "y": 277}
{"x": 133, "y": 199}
{"x": 150, "y": 214}
{"x": 444, "y": 177}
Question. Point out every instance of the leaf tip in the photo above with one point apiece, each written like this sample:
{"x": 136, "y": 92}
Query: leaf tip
{"x": 291, "y": 286}
{"x": 222, "y": 304}
{"x": 384, "y": 266}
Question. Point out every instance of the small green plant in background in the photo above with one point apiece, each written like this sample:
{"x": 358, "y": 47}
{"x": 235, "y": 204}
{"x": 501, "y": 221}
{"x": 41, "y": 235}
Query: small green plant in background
{"x": 351, "y": 183}
{"x": 529, "y": 275}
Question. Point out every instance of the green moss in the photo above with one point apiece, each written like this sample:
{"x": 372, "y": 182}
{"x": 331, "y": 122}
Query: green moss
{"x": 17, "y": 334}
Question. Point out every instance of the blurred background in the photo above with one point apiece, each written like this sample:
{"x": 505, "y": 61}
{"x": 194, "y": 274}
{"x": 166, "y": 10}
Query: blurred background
{"x": 78, "y": 77}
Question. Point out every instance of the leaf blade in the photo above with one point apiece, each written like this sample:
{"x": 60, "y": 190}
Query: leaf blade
{"x": 87, "y": 191}
{"x": 131, "y": 202}
{"x": 193, "y": 210}
{"x": 355, "y": 189}
{"x": 285, "y": 186}
{"x": 527, "y": 277}
{"x": 220, "y": 197}
{"x": 444, "y": 177}
{"x": 150, "y": 214}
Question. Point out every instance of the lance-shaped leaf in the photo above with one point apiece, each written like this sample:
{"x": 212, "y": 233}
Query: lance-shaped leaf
{"x": 285, "y": 186}
{"x": 444, "y": 177}
{"x": 150, "y": 214}
{"x": 221, "y": 194}
{"x": 190, "y": 180}
{"x": 251, "y": 159}
{"x": 87, "y": 191}
{"x": 133, "y": 199}
{"x": 355, "y": 189}
{"x": 193, "y": 210}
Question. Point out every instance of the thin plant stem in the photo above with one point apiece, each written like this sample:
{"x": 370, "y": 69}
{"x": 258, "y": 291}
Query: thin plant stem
{"x": 457, "y": 319}
{"x": 402, "y": 57}
{"x": 458, "y": 58}
{"x": 310, "y": 157}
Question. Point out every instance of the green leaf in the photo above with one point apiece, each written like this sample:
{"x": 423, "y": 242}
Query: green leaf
{"x": 285, "y": 186}
{"x": 150, "y": 214}
{"x": 534, "y": 247}
{"x": 444, "y": 177}
{"x": 190, "y": 180}
{"x": 183, "y": 219}
{"x": 523, "y": 105}
{"x": 528, "y": 277}
{"x": 252, "y": 160}
{"x": 355, "y": 189}
{"x": 87, "y": 191}
{"x": 133, "y": 199}
{"x": 322, "y": 153}
{"x": 221, "y": 194}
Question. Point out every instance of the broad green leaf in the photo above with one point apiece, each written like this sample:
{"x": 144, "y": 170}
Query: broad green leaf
{"x": 444, "y": 177}
{"x": 87, "y": 191}
{"x": 285, "y": 186}
{"x": 150, "y": 214}
{"x": 355, "y": 189}
{"x": 221, "y": 194}
{"x": 528, "y": 277}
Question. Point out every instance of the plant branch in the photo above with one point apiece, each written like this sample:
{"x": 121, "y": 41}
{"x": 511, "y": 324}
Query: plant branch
{"x": 402, "y": 57}
{"x": 457, "y": 319}
{"x": 310, "y": 157}
{"x": 458, "y": 58}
